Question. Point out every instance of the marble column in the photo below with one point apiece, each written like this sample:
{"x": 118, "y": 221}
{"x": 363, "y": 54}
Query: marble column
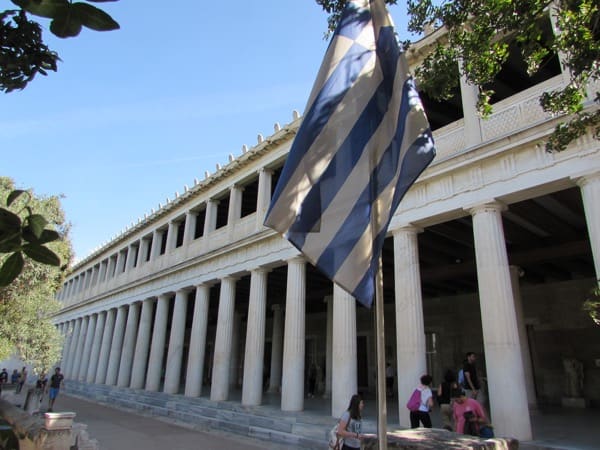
{"x": 112, "y": 263}
{"x": 107, "y": 335}
{"x": 344, "y": 367}
{"x": 590, "y": 193}
{"x": 116, "y": 346}
{"x": 79, "y": 348}
{"x": 87, "y": 348}
{"x": 129, "y": 341}
{"x": 171, "y": 236}
{"x": 506, "y": 377}
{"x": 132, "y": 254}
{"x": 234, "y": 365}
{"x": 175, "y": 352}
{"x": 527, "y": 367}
{"x": 142, "y": 254}
{"x": 276, "y": 350}
{"x": 410, "y": 329}
{"x": 69, "y": 337}
{"x": 191, "y": 218}
{"x": 157, "y": 348}
{"x": 472, "y": 121}
{"x": 255, "y": 339}
{"x": 140, "y": 356}
{"x": 157, "y": 237}
{"x": 95, "y": 352}
{"x": 210, "y": 222}
{"x": 103, "y": 271}
{"x": 292, "y": 381}
{"x": 219, "y": 389}
{"x": 264, "y": 195}
{"x": 328, "y": 346}
{"x": 120, "y": 267}
{"x": 195, "y": 369}
{"x": 235, "y": 204}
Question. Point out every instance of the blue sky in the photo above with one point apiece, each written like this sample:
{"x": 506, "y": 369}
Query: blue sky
{"x": 133, "y": 115}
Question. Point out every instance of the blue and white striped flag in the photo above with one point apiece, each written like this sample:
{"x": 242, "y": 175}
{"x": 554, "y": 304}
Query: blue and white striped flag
{"x": 363, "y": 142}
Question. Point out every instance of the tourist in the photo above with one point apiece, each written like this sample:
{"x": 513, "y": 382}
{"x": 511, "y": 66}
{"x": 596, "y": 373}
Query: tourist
{"x": 350, "y": 424}
{"x": 56, "y": 382}
{"x": 421, "y": 414}
{"x": 444, "y": 394}
{"x": 469, "y": 415}
{"x": 471, "y": 385}
{"x": 22, "y": 380}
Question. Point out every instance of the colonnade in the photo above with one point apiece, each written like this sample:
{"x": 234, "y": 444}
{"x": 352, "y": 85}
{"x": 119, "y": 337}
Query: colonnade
{"x": 127, "y": 345}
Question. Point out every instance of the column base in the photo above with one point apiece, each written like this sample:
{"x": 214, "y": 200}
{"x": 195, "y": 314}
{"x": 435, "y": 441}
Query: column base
{"x": 575, "y": 402}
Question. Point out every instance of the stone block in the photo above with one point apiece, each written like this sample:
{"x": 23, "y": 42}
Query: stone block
{"x": 437, "y": 439}
{"x": 58, "y": 421}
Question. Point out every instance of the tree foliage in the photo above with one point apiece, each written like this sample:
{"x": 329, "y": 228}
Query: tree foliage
{"x": 592, "y": 304}
{"x": 23, "y": 53}
{"x": 27, "y": 303}
{"x": 479, "y": 33}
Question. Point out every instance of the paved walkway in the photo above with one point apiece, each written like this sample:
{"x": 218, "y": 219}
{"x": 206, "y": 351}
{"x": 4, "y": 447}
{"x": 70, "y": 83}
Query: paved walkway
{"x": 115, "y": 429}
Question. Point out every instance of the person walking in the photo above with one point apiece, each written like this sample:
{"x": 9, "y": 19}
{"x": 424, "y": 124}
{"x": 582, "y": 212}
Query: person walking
{"x": 350, "y": 424}
{"x": 22, "y": 380}
{"x": 56, "y": 382}
{"x": 421, "y": 414}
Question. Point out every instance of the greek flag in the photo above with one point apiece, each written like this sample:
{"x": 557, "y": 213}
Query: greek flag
{"x": 363, "y": 142}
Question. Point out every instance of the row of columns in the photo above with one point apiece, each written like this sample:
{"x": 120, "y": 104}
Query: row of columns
{"x": 510, "y": 376}
{"x": 135, "y": 253}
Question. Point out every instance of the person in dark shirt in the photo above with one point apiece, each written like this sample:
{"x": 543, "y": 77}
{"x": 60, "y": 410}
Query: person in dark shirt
{"x": 471, "y": 386}
{"x": 3, "y": 379}
{"x": 56, "y": 382}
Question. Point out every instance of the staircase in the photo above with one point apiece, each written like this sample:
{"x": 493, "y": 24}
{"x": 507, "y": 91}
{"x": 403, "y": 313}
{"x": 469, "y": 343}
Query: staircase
{"x": 267, "y": 422}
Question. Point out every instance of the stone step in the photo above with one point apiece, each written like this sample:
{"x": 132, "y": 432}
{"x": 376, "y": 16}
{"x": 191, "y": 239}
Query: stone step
{"x": 268, "y": 423}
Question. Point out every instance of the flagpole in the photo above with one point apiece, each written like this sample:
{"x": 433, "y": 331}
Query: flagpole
{"x": 380, "y": 344}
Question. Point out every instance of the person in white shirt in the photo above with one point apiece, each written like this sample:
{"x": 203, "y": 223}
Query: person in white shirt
{"x": 422, "y": 414}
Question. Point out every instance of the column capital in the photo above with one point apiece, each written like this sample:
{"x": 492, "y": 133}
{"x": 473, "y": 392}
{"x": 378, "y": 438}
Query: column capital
{"x": 261, "y": 269}
{"x": 407, "y": 228}
{"x": 583, "y": 179}
{"x": 265, "y": 170}
{"x": 298, "y": 259}
{"x": 276, "y": 307}
{"x": 488, "y": 206}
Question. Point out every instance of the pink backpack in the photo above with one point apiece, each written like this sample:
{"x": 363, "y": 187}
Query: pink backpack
{"x": 414, "y": 401}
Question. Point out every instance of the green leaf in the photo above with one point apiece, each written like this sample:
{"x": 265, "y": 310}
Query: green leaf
{"x": 9, "y": 221}
{"x": 41, "y": 254}
{"x": 48, "y": 236}
{"x": 45, "y": 237}
{"x": 44, "y": 8}
{"x": 66, "y": 26}
{"x": 94, "y": 18}
{"x": 37, "y": 223}
{"x": 11, "y": 244}
{"x": 11, "y": 269}
{"x": 13, "y": 196}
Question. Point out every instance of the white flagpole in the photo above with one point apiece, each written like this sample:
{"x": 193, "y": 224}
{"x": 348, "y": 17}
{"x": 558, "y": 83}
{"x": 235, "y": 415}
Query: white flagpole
{"x": 380, "y": 344}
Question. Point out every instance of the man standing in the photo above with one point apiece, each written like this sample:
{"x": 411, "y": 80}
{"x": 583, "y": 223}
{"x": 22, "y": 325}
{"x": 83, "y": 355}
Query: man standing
{"x": 22, "y": 380}
{"x": 56, "y": 382}
{"x": 389, "y": 379}
{"x": 471, "y": 384}
{"x": 3, "y": 379}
